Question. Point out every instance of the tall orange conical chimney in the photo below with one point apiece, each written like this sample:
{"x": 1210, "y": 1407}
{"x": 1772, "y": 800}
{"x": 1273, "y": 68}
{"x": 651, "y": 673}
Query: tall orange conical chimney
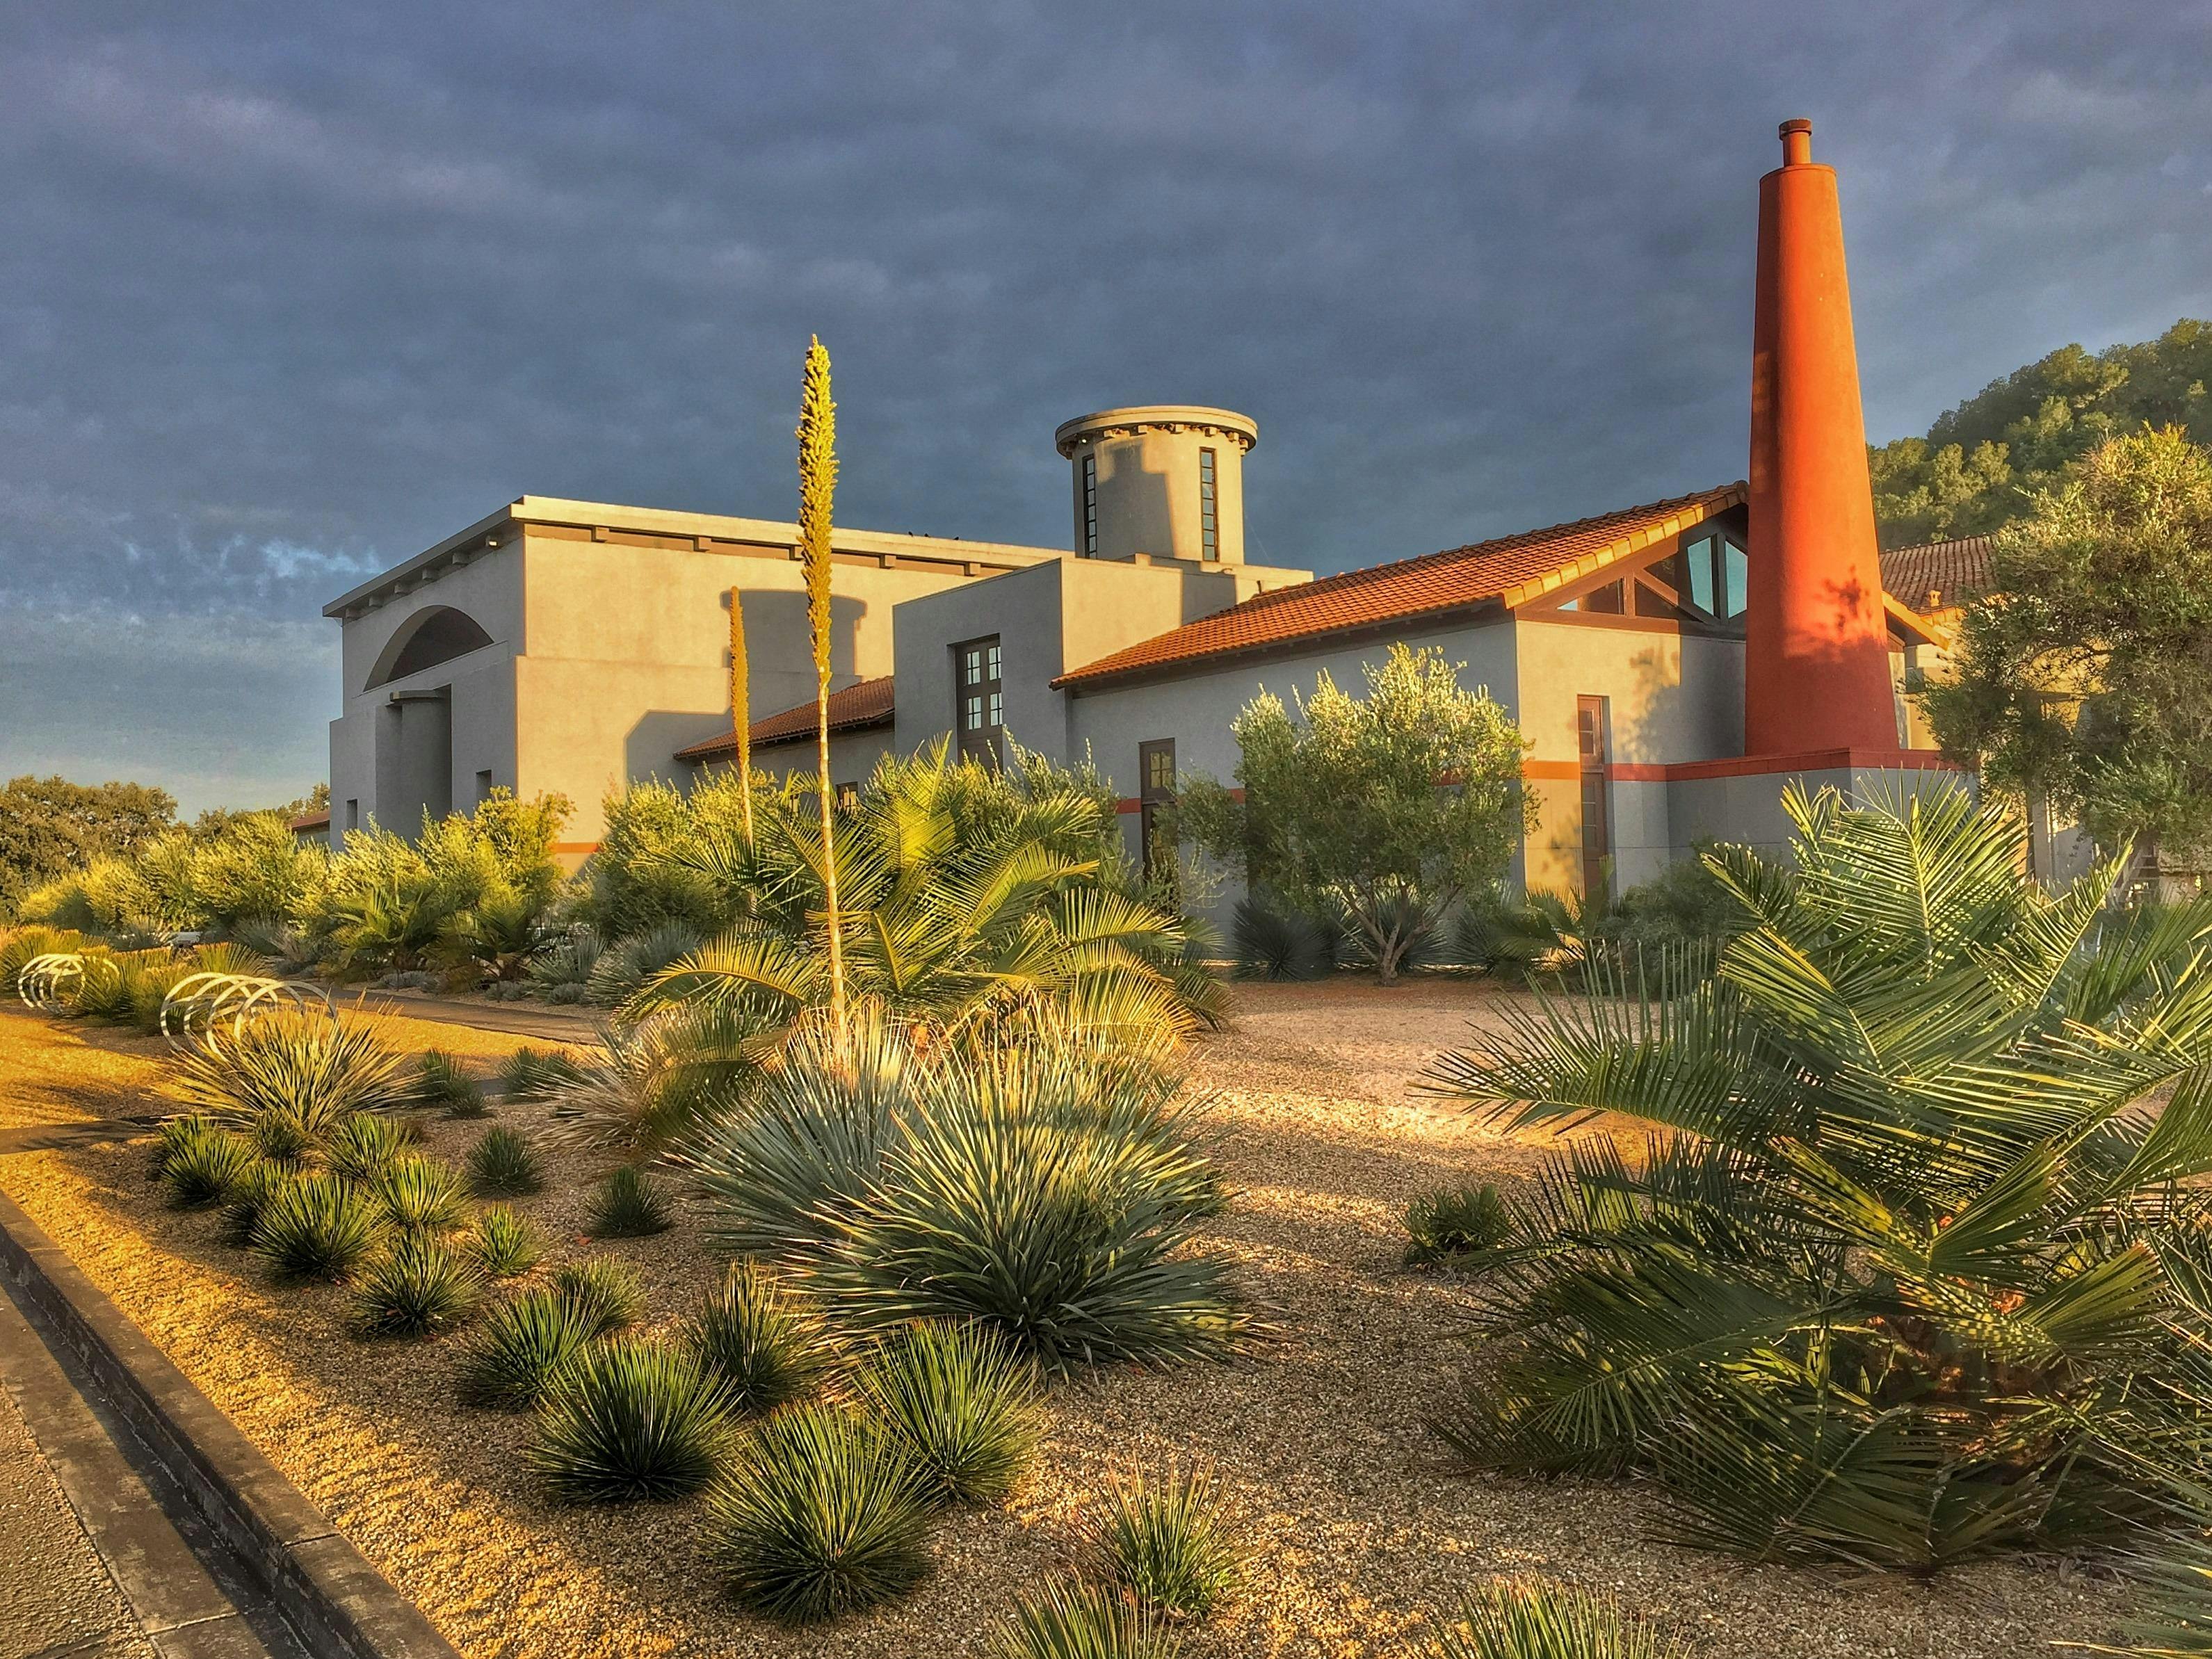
{"x": 1816, "y": 656}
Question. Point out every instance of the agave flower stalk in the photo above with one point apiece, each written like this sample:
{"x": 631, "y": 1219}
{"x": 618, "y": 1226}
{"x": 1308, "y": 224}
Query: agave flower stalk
{"x": 741, "y": 708}
{"x": 818, "y": 489}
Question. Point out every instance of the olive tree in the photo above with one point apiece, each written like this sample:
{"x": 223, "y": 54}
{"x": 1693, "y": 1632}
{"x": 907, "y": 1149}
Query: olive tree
{"x": 1388, "y": 808}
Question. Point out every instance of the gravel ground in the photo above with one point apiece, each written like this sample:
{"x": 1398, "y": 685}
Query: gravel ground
{"x": 1362, "y": 1531}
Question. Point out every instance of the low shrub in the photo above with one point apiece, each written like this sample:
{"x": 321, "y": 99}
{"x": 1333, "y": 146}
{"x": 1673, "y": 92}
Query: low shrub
{"x": 519, "y": 1346}
{"x": 1274, "y": 942}
{"x": 821, "y": 1515}
{"x": 414, "y": 1286}
{"x": 504, "y": 1243}
{"x": 605, "y": 1289}
{"x": 627, "y": 1420}
{"x": 1069, "y": 1619}
{"x": 535, "y": 1073}
{"x": 1452, "y": 1222}
{"x": 963, "y": 1404}
{"x": 365, "y": 1145}
{"x": 202, "y": 1162}
{"x": 1526, "y": 1618}
{"x": 501, "y": 1165}
{"x": 443, "y": 1084}
{"x": 316, "y": 1226}
{"x": 754, "y": 1334}
{"x": 421, "y": 1194}
{"x": 1165, "y": 1542}
{"x": 630, "y": 1204}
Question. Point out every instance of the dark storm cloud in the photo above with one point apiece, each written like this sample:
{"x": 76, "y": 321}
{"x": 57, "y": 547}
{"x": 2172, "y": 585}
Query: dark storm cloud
{"x": 287, "y": 293}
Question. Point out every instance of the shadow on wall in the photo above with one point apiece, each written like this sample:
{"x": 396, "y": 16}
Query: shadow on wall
{"x": 1648, "y": 722}
{"x": 1137, "y": 496}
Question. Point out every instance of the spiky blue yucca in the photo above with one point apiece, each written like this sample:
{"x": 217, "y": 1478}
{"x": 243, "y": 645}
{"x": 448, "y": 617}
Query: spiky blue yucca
{"x": 1452, "y": 1222}
{"x": 630, "y": 1418}
{"x": 364, "y": 1146}
{"x": 630, "y": 1204}
{"x": 421, "y": 1194}
{"x": 316, "y": 1071}
{"x": 1529, "y": 1619}
{"x": 965, "y": 1405}
{"x": 173, "y": 1133}
{"x": 504, "y": 1243}
{"x": 519, "y": 1346}
{"x": 501, "y": 1165}
{"x": 202, "y": 1162}
{"x": 316, "y": 1226}
{"x": 766, "y": 1346}
{"x": 1070, "y": 1619}
{"x": 605, "y": 1289}
{"x": 1164, "y": 1541}
{"x": 282, "y": 1137}
{"x": 443, "y": 1084}
{"x": 821, "y": 1513}
{"x": 415, "y": 1287}
{"x": 242, "y": 1202}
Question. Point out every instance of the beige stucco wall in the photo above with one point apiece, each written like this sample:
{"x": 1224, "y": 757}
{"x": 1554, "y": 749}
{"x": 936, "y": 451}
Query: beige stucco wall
{"x": 1148, "y": 480}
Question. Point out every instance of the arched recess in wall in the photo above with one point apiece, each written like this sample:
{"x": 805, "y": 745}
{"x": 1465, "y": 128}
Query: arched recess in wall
{"x": 438, "y": 634}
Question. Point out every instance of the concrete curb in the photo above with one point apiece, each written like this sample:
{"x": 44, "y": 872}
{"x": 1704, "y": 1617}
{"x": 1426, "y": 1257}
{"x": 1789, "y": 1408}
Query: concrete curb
{"x": 339, "y": 1603}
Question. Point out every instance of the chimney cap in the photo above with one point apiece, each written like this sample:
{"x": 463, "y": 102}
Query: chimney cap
{"x": 1800, "y": 124}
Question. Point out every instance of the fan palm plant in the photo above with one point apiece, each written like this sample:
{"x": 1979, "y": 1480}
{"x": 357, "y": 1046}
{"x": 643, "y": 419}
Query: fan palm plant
{"x": 951, "y": 916}
{"x": 1914, "y": 1268}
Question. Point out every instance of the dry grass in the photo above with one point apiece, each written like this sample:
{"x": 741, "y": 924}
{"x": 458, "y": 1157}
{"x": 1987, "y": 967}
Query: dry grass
{"x": 1360, "y": 1530}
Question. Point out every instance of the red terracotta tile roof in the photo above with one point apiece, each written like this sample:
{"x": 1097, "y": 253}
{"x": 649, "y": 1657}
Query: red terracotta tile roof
{"x": 856, "y": 706}
{"x": 1937, "y": 575}
{"x": 310, "y": 821}
{"x": 1511, "y": 570}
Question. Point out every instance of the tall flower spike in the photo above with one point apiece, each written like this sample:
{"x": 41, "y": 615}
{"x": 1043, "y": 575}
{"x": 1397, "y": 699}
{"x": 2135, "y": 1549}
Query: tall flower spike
{"x": 818, "y": 490}
{"x": 741, "y": 708}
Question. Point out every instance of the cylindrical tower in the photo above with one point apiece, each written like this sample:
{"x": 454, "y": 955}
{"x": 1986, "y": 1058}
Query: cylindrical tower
{"x": 1166, "y": 480}
{"x": 1816, "y": 649}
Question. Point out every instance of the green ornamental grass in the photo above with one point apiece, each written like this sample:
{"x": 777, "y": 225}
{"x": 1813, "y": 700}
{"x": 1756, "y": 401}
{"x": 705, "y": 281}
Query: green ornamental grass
{"x": 364, "y": 1146}
{"x": 768, "y": 1348}
{"x": 963, "y": 1404}
{"x": 501, "y": 1165}
{"x": 820, "y": 1514}
{"x": 1070, "y": 1619}
{"x": 201, "y": 1164}
{"x": 605, "y": 1289}
{"x": 415, "y": 1287}
{"x": 505, "y": 1245}
{"x": 1449, "y": 1223}
{"x": 1527, "y": 1619}
{"x": 316, "y": 1226}
{"x": 630, "y": 1204}
{"x": 1164, "y": 1541}
{"x": 630, "y": 1419}
{"x": 421, "y": 1194}
{"x": 519, "y": 1348}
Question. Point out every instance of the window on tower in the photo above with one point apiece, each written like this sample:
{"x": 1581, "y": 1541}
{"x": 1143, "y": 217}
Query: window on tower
{"x": 1090, "y": 506}
{"x": 1209, "y": 519}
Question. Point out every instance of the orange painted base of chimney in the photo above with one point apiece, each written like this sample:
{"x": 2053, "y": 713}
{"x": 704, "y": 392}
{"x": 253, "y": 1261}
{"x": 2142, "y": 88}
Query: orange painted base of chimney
{"x": 1816, "y": 655}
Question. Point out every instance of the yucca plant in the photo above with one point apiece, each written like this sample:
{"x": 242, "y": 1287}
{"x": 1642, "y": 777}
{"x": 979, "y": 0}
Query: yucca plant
{"x": 315, "y": 1071}
{"x": 753, "y": 1333}
{"x": 421, "y": 1194}
{"x": 505, "y": 1245}
{"x": 283, "y": 1137}
{"x": 521, "y": 1345}
{"x": 630, "y": 1418}
{"x": 1273, "y": 941}
{"x": 316, "y": 1226}
{"x": 1067, "y": 1618}
{"x": 964, "y": 1405}
{"x": 21, "y": 945}
{"x": 533, "y": 1074}
{"x": 416, "y": 1286}
{"x": 443, "y": 1083}
{"x": 365, "y": 1145}
{"x": 605, "y": 1289}
{"x": 1447, "y": 1223}
{"x": 171, "y": 1134}
{"x": 202, "y": 1162}
{"x": 1916, "y": 1272}
{"x": 242, "y": 1200}
{"x": 501, "y": 1165}
{"x": 647, "y": 1084}
{"x": 1165, "y": 1542}
{"x": 630, "y": 1204}
{"x": 1529, "y": 1619}
{"x": 820, "y": 1514}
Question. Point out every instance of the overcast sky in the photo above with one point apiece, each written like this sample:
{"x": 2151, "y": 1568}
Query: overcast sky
{"x": 288, "y": 292}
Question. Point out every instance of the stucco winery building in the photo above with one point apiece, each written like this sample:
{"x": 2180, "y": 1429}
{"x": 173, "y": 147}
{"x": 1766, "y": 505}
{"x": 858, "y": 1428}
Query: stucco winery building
{"x": 1672, "y": 664}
